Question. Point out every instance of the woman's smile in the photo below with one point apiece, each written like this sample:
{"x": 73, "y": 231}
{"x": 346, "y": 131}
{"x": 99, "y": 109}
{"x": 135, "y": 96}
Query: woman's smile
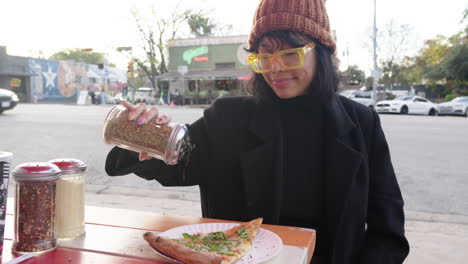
{"x": 282, "y": 82}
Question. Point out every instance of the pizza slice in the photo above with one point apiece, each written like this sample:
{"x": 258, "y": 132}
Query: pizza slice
{"x": 222, "y": 247}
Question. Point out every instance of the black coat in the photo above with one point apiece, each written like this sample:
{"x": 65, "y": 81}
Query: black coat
{"x": 237, "y": 163}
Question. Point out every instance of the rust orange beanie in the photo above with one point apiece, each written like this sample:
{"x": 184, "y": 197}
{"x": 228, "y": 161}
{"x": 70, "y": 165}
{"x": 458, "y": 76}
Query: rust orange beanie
{"x": 305, "y": 16}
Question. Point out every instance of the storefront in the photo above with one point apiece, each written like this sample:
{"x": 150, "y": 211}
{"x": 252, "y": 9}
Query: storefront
{"x": 202, "y": 69}
{"x": 41, "y": 80}
{"x": 14, "y": 75}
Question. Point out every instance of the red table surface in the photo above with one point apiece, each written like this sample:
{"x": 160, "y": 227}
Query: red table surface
{"x": 136, "y": 220}
{"x": 71, "y": 256}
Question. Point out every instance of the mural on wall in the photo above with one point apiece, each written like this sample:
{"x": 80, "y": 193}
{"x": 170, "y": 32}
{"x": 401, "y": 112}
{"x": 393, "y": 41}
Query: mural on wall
{"x": 71, "y": 78}
{"x": 62, "y": 80}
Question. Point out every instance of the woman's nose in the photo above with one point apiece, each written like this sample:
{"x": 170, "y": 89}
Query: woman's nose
{"x": 275, "y": 66}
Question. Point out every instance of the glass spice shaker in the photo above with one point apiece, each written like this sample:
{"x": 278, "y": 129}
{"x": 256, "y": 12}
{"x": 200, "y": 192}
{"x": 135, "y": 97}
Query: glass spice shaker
{"x": 70, "y": 203}
{"x": 165, "y": 142}
{"x": 35, "y": 219}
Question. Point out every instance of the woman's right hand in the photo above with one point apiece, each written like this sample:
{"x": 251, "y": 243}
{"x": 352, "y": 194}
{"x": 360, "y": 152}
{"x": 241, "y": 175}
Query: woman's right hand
{"x": 143, "y": 115}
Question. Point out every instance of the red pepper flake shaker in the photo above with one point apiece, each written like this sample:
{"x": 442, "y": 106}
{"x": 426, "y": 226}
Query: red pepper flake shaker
{"x": 169, "y": 143}
{"x": 35, "y": 218}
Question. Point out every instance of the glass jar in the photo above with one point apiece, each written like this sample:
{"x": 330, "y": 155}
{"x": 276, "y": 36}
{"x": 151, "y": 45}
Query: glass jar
{"x": 70, "y": 203}
{"x": 165, "y": 142}
{"x": 35, "y": 219}
{"x": 5, "y": 165}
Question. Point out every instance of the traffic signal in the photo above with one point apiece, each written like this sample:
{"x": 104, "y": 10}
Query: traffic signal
{"x": 85, "y": 50}
{"x": 130, "y": 69}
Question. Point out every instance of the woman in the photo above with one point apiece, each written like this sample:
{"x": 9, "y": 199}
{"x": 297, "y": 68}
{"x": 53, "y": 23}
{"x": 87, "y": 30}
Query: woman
{"x": 294, "y": 153}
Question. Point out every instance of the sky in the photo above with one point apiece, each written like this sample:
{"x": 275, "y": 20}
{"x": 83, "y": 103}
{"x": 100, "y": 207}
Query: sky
{"x": 30, "y": 26}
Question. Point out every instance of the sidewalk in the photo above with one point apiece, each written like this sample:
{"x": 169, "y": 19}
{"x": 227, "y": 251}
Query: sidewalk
{"x": 434, "y": 238}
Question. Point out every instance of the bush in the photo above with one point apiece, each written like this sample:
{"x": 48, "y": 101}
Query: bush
{"x": 450, "y": 97}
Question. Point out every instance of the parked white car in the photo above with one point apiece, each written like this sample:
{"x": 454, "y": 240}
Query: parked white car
{"x": 116, "y": 99}
{"x": 8, "y": 100}
{"x": 408, "y": 105}
{"x": 360, "y": 97}
{"x": 145, "y": 95}
{"x": 458, "y": 106}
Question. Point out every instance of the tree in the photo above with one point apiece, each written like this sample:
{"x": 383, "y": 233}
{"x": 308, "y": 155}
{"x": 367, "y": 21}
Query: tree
{"x": 200, "y": 25}
{"x": 393, "y": 42}
{"x": 449, "y": 59}
{"x": 441, "y": 59}
{"x": 155, "y": 31}
{"x": 369, "y": 83}
{"x": 410, "y": 72}
{"x": 154, "y": 37}
{"x": 465, "y": 19}
{"x": 455, "y": 64}
{"x": 356, "y": 76}
{"x": 78, "y": 55}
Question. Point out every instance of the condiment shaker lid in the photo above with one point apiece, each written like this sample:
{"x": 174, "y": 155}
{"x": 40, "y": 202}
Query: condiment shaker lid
{"x": 36, "y": 171}
{"x": 5, "y": 156}
{"x": 69, "y": 166}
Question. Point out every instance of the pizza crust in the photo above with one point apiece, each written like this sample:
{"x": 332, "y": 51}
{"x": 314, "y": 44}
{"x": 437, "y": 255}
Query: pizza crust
{"x": 174, "y": 250}
{"x": 242, "y": 234}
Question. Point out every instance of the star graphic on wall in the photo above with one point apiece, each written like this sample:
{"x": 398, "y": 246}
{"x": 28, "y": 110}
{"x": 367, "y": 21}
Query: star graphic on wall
{"x": 50, "y": 77}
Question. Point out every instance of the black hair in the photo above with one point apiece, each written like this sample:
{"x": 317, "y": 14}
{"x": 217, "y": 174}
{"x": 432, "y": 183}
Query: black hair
{"x": 326, "y": 79}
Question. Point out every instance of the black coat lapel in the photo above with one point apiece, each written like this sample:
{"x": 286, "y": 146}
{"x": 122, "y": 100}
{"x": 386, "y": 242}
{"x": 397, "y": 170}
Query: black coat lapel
{"x": 262, "y": 165}
{"x": 342, "y": 164}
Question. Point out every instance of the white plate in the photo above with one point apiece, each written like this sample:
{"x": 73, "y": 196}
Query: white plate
{"x": 265, "y": 246}
{"x": 6, "y": 104}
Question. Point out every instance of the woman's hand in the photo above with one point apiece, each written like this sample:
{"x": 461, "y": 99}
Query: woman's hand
{"x": 143, "y": 115}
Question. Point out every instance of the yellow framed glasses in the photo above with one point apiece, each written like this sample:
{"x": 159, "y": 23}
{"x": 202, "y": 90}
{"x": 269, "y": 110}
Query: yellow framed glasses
{"x": 289, "y": 59}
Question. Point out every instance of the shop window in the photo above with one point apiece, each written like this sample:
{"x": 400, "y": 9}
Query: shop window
{"x": 226, "y": 85}
{"x": 15, "y": 83}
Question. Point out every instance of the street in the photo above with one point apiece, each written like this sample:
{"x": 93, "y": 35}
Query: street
{"x": 429, "y": 154}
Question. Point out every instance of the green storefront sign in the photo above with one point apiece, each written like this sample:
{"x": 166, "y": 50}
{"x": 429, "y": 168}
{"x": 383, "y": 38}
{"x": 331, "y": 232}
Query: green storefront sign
{"x": 192, "y": 53}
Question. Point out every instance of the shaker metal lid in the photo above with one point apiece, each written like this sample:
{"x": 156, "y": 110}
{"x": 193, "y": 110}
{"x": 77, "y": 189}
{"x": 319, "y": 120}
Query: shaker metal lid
{"x": 69, "y": 165}
{"x": 36, "y": 171}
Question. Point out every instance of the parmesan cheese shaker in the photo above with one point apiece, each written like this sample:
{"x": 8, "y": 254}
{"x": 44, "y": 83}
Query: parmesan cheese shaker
{"x": 70, "y": 198}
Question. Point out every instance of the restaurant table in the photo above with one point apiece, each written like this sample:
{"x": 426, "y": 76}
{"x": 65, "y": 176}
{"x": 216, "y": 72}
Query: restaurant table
{"x": 116, "y": 236}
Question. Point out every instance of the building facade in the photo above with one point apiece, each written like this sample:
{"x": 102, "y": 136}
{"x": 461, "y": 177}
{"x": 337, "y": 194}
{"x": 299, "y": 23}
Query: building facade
{"x": 40, "y": 80}
{"x": 207, "y": 66}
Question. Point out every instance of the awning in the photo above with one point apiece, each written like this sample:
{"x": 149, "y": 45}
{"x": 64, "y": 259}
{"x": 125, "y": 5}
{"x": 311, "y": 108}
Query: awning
{"x": 168, "y": 76}
{"x": 16, "y": 74}
{"x": 233, "y": 74}
{"x": 246, "y": 77}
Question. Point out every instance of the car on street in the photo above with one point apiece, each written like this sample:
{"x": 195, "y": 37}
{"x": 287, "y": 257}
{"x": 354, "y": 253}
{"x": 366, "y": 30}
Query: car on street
{"x": 8, "y": 100}
{"x": 458, "y": 106}
{"x": 362, "y": 97}
{"x": 116, "y": 99}
{"x": 145, "y": 95}
{"x": 408, "y": 105}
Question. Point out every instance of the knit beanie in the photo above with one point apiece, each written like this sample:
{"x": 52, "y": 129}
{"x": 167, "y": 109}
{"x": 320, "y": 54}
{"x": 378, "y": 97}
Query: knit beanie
{"x": 303, "y": 16}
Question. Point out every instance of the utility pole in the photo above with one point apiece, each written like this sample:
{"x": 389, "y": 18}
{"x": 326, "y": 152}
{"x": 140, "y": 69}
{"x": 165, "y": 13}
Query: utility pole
{"x": 375, "y": 71}
{"x": 347, "y": 54}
